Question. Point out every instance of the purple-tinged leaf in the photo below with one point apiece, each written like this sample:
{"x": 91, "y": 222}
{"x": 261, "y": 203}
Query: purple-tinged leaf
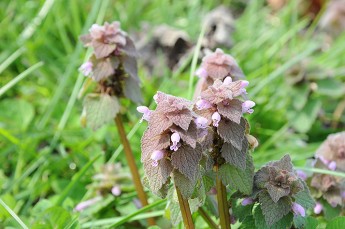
{"x": 186, "y": 160}
{"x": 158, "y": 175}
{"x": 151, "y": 142}
{"x": 234, "y": 156}
{"x": 231, "y": 110}
{"x": 232, "y": 132}
{"x": 102, "y": 50}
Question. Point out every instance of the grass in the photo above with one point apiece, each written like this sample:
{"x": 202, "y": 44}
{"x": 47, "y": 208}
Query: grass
{"x": 48, "y": 159}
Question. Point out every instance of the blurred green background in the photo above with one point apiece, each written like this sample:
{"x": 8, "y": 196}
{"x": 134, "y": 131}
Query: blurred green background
{"x": 296, "y": 73}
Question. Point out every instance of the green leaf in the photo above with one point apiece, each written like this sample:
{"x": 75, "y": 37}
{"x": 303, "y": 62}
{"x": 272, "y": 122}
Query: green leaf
{"x": 54, "y": 217}
{"x": 100, "y": 109}
{"x": 16, "y": 114}
{"x": 248, "y": 222}
{"x": 241, "y": 212}
{"x": 185, "y": 185}
{"x": 234, "y": 156}
{"x": 311, "y": 223}
{"x": 236, "y": 178}
{"x": 330, "y": 87}
{"x": 300, "y": 92}
{"x": 304, "y": 198}
{"x": 302, "y": 121}
{"x": 272, "y": 211}
{"x": 260, "y": 222}
{"x": 336, "y": 223}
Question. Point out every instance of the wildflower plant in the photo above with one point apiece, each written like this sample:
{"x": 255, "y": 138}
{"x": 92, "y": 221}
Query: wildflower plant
{"x": 327, "y": 189}
{"x": 279, "y": 198}
{"x": 113, "y": 66}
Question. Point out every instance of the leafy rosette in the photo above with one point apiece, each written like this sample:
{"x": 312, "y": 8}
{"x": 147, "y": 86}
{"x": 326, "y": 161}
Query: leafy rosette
{"x": 227, "y": 140}
{"x": 217, "y": 66}
{"x": 113, "y": 65}
{"x": 281, "y": 194}
{"x": 329, "y": 156}
{"x": 170, "y": 146}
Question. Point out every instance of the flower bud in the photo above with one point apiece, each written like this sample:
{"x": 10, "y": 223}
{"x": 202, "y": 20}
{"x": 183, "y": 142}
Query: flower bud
{"x": 216, "y": 118}
{"x": 145, "y": 111}
{"x": 332, "y": 165}
{"x": 246, "y": 107}
{"x": 298, "y": 209}
{"x": 175, "y": 138}
{"x": 203, "y": 104}
{"x": 244, "y": 83}
{"x": 156, "y": 156}
{"x": 253, "y": 142}
{"x": 201, "y": 73}
{"x": 116, "y": 191}
{"x": 86, "y": 68}
{"x": 247, "y": 201}
{"x": 301, "y": 174}
{"x": 318, "y": 208}
{"x": 201, "y": 122}
{"x": 227, "y": 80}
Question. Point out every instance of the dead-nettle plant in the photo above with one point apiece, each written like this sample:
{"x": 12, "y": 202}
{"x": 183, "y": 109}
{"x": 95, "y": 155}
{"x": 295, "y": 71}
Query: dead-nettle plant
{"x": 113, "y": 66}
{"x": 328, "y": 190}
{"x": 200, "y": 145}
{"x": 279, "y": 198}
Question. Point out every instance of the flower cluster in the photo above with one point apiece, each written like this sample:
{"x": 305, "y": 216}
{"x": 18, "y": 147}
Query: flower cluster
{"x": 221, "y": 106}
{"x": 278, "y": 188}
{"x": 113, "y": 62}
{"x": 218, "y": 66}
{"x": 329, "y": 156}
{"x": 170, "y": 143}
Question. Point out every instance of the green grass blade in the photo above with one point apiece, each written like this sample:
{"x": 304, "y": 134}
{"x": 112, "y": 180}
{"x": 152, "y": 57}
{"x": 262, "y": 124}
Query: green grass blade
{"x": 19, "y": 77}
{"x": 10, "y": 59}
{"x": 322, "y": 171}
{"x": 141, "y": 210}
{"x": 13, "y": 214}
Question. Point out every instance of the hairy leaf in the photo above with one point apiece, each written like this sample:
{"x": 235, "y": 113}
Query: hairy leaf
{"x": 101, "y": 49}
{"x": 232, "y": 132}
{"x": 157, "y": 175}
{"x": 159, "y": 122}
{"x": 232, "y": 110}
{"x": 132, "y": 89}
{"x": 151, "y": 142}
{"x": 236, "y": 178}
{"x": 186, "y": 160}
{"x": 129, "y": 64}
{"x": 100, "y": 109}
{"x": 129, "y": 49}
{"x": 181, "y": 118}
{"x": 284, "y": 222}
{"x": 233, "y": 156}
{"x": 103, "y": 68}
{"x": 185, "y": 185}
{"x": 304, "y": 198}
{"x": 272, "y": 211}
{"x": 277, "y": 192}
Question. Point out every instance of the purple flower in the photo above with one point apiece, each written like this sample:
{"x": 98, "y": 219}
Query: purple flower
{"x": 247, "y": 107}
{"x": 244, "y": 83}
{"x": 301, "y": 174}
{"x": 201, "y": 122}
{"x": 145, "y": 111}
{"x": 201, "y": 73}
{"x": 247, "y": 201}
{"x": 156, "y": 156}
{"x": 298, "y": 209}
{"x": 332, "y": 165}
{"x": 116, "y": 191}
{"x": 227, "y": 80}
{"x": 324, "y": 160}
{"x": 85, "y": 204}
{"x": 86, "y": 68}
{"x": 175, "y": 138}
{"x": 318, "y": 208}
{"x": 216, "y": 118}
{"x": 343, "y": 194}
{"x": 203, "y": 104}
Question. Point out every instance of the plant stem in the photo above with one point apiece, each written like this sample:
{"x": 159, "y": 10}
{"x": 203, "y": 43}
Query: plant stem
{"x": 132, "y": 166}
{"x": 223, "y": 209}
{"x": 185, "y": 210}
{"x": 207, "y": 219}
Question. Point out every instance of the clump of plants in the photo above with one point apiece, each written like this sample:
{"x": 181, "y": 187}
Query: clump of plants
{"x": 329, "y": 188}
{"x": 190, "y": 147}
